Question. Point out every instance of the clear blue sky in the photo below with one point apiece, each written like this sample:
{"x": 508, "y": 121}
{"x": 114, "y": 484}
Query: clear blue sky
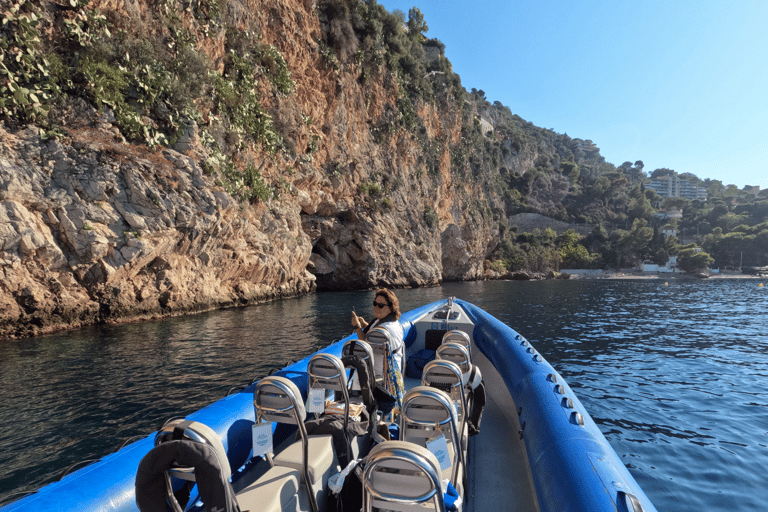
{"x": 679, "y": 84}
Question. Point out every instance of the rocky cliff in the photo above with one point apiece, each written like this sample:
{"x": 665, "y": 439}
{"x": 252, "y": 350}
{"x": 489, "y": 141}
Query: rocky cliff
{"x": 97, "y": 226}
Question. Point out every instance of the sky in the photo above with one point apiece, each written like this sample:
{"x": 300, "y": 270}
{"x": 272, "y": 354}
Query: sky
{"x": 678, "y": 84}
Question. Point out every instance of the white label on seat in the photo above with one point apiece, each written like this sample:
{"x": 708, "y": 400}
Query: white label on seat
{"x": 262, "y": 439}
{"x": 439, "y": 447}
{"x": 316, "y": 400}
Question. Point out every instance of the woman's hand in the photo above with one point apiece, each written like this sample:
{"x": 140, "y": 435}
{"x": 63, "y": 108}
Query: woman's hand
{"x": 356, "y": 321}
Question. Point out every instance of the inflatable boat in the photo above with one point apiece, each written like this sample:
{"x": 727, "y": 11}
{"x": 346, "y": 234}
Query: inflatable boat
{"x": 533, "y": 448}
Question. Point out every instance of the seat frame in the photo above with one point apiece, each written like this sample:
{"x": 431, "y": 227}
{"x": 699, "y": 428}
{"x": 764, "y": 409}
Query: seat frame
{"x": 458, "y": 388}
{"x": 442, "y": 398}
{"x": 464, "y": 362}
{"x": 296, "y": 408}
{"x": 460, "y": 337}
{"x": 326, "y": 371}
{"x": 378, "y": 338}
{"x": 364, "y": 351}
{"x": 197, "y": 432}
{"x": 402, "y": 452}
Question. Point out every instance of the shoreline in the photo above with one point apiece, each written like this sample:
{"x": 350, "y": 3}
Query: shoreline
{"x": 664, "y": 276}
{"x": 19, "y": 331}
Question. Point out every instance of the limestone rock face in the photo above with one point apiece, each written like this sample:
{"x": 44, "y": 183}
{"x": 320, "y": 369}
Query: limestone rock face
{"x": 86, "y": 238}
{"x": 96, "y": 229}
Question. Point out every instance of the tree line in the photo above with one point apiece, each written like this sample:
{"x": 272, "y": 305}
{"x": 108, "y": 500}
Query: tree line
{"x": 728, "y": 230}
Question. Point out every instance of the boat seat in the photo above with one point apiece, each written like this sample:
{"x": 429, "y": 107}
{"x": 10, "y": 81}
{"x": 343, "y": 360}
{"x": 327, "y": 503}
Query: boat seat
{"x": 460, "y": 337}
{"x": 378, "y": 339}
{"x": 327, "y": 373}
{"x": 428, "y": 412}
{"x": 187, "y": 450}
{"x": 362, "y": 350}
{"x": 194, "y": 431}
{"x": 442, "y": 374}
{"x": 457, "y": 353}
{"x": 275, "y": 491}
{"x": 447, "y": 376}
{"x": 402, "y": 476}
{"x": 322, "y": 461}
{"x": 278, "y": 399}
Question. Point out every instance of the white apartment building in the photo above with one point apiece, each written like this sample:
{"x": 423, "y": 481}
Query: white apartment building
{"x": 674, "y": 186}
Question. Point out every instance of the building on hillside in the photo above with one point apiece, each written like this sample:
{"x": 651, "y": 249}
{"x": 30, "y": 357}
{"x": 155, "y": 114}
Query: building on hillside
{"x": 670, "y": 213}
{"x": 669, "y": 231}
{"x": 669, "y": 267}
{"x": 674, "y": 186}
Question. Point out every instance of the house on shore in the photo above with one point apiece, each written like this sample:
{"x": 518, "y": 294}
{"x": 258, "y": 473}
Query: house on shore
{"x": 669, "y": 267}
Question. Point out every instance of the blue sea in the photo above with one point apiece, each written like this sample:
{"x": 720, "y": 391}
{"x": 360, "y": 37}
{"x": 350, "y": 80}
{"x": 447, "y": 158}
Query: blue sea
{"x": 674, "y": 373}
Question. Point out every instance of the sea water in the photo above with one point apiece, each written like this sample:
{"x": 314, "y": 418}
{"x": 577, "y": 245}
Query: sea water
{"x": 674, "y": 373}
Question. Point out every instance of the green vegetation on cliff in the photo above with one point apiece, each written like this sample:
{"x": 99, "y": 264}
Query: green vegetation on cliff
{"x": 157, "y": 80}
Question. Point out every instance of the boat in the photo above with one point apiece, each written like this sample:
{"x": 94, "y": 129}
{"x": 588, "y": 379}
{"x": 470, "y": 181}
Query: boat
{"x": 537, "y": 448}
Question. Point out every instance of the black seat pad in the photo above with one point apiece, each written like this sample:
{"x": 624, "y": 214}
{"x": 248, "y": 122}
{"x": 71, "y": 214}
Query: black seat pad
{"x": 215, "y": 489}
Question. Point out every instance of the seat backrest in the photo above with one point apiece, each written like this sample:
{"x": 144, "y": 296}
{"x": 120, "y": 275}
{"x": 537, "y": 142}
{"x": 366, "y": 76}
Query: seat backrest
{"x": 278, "y": 399}
{"x": 456, "y": 353}
{"x": 362, "y": 350}
{"x": 179, "y": 429}
{"x": 361, "y": 374}
{"x": 460, "y": 337}
{"x": 426, "y": 410}
{"x": 187, "y": 450}
{"x": 326, "y": 371}
{"x": 447, "y": 376}
{"x": 444, "y": 375}
{"x": 402, "y": 474}
{"x": 378, "y": 338}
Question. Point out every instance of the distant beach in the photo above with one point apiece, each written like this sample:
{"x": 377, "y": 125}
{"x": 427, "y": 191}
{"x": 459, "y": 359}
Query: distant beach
{"x": 664, "y": 276}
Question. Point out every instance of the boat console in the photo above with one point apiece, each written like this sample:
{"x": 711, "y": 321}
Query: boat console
{"x": 434, "y": 325}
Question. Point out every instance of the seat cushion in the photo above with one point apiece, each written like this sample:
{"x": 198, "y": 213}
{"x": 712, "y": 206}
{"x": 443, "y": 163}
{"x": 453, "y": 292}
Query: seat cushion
{"x": 276, "y": 490}
{"x": 322, "y": 460}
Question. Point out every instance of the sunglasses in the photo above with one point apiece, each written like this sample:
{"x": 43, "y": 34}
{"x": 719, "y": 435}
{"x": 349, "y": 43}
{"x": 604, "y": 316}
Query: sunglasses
{"x": 380, "y": 305}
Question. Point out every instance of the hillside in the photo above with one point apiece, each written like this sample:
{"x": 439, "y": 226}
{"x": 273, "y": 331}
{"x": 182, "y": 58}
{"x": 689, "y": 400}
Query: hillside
{"x": 171, "y": 157}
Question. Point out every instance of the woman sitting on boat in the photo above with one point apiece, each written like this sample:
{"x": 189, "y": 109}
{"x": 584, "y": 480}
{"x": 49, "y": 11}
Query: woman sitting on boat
{"x": 386, "y": 312}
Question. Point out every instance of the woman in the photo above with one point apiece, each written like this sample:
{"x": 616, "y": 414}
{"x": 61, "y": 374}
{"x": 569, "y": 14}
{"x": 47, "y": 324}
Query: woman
{"x": 386, "y": 312}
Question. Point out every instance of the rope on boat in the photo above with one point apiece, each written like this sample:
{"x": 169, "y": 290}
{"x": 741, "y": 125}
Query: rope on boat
{"x": 13, "y": 496}
{"x": 128, "y": 441}
{"x": 73, "y": 466}
{"x": 238, "y": 388}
